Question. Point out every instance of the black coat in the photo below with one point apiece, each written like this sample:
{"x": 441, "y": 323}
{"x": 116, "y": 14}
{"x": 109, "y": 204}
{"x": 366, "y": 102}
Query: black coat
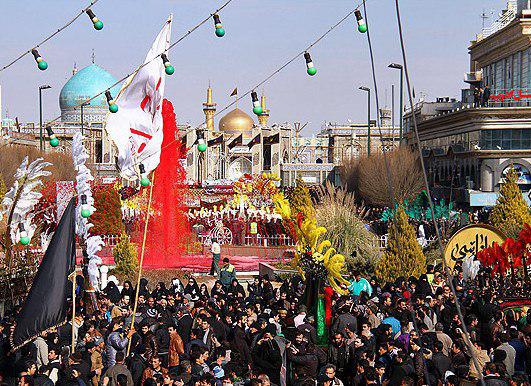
{"x": 267, "y": 359}
{"x": 184, "y": 327}
{"x": 441, "y": 364}
{"x": 303, "y": 360}
{"x": 239, "y": 344}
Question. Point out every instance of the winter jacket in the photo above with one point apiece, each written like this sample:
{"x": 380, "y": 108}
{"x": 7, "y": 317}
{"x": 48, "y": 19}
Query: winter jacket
{"x": 267, "y": 359}
{"x": 115, "y": 342}
{"x": 441, "y": 363}
{"x": 227, "y": 274}
{"x": 175, "y": 349}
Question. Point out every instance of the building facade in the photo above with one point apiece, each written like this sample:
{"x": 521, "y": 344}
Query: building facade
{"x": 239, "y": 145}
{"x": 468, "y": 148}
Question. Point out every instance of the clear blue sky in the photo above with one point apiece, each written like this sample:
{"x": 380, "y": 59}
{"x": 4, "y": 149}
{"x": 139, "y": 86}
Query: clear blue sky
{"x": 261, "y": 35}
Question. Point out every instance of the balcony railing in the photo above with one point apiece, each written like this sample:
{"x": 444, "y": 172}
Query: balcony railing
{"x": 473, "y": 77}
{"x": 506, "y": 17}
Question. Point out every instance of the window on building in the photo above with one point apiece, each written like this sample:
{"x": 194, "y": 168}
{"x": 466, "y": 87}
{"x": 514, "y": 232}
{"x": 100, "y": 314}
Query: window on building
{"x": 512, "y": 139}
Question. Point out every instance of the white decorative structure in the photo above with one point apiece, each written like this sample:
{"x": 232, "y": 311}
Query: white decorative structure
{"x": 93, "y": 244}
{"x": 21, "y": 199}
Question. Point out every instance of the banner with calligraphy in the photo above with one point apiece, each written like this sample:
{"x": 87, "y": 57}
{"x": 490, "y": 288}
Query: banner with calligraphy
{"x": 468, "y": 241}
{"x": 510, "y": 94}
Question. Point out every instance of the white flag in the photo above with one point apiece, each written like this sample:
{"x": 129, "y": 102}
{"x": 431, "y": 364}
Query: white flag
{"x": 136, "y": 129}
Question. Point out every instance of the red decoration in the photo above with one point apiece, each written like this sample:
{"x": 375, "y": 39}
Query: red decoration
{"x": 328, "y": 294}
{"x": 511, "y": 254}
{"x": 168, "y": 228}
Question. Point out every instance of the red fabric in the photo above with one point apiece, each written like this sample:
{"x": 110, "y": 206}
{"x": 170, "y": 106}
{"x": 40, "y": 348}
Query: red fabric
{"x": 328, "y": 293}
{"x": 168, "y": 228}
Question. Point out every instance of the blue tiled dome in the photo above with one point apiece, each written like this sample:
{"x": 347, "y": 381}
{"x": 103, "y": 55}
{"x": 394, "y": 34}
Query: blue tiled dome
{"x": 86, "y": 83}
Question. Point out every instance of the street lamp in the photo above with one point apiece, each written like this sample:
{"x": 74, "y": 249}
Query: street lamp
{"x": 43, "y": 87}
{"x": 397, "y": 66}
{"x": 368, "y": 90}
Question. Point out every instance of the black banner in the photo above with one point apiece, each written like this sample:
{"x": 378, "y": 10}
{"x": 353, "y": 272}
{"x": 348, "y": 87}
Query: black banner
{"x": 46, "y": 305}
{"x": 272, "y": 139}
{"x": 238, "y": 141}
{"x": 254, "y": 141}
{"x": 215, "y": 141}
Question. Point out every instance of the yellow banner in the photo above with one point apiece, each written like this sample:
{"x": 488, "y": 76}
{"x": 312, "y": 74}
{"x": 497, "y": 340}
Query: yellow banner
{"x": 468, "y": 241}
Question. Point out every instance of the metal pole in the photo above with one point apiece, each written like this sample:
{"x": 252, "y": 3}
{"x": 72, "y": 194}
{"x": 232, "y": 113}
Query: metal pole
{"x": 401, "y": 103}
{"x": 393, "y": 109}
{"x": 369, "y": 122}
{"x": 82, "y": 120}
{"x": 40, "y": 119}
{"x": 74, "y": 275}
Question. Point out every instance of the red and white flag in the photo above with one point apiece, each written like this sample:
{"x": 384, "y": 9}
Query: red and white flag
{"x": 136, "y": 128}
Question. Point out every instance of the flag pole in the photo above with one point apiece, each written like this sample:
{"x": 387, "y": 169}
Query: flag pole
{"x": 141, "y": 263}
{"x": 74, "y": 274}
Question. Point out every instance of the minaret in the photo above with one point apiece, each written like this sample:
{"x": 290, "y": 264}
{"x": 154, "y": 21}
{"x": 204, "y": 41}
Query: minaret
{"x": 209, "y": 109}
{"x": 262, "y": 118}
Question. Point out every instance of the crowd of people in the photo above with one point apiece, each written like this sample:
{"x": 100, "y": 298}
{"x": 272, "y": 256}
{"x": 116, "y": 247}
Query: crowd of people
{"x": 261, "y": 333}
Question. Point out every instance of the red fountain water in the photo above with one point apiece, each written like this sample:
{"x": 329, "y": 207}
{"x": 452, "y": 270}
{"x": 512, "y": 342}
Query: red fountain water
{"x": 168, "y": 228}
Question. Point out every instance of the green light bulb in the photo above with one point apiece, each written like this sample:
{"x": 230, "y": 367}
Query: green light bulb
{"x": 113, "y": 108}
{"x": 220, "y": 32}
{"x": 144, "y": 181}
{"x": 85, "y": 213}
{"x": 42, "y": 65}
{"x": 98, "y": 25}
{"x": 170, "y": 70}
{"x": 258, "y": 110}
{"x": 54, "y": 142}
{"x": 312, "y": 71}
{"x": 24, "y": 240}
{"x": 362, "y": 28}
{"x": 202, "y": 147}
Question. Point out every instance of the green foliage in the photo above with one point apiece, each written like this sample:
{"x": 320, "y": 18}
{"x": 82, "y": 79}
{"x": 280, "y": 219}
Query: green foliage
{"x": 126, "y": 258}
{"x": 107, "y": 218}
{"x": 511, "y": 211}
{"x": 338, "y": 212}
{"x": 404, "y": 256}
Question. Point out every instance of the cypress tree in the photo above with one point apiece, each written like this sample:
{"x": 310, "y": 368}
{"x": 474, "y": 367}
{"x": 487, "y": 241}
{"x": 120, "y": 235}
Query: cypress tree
{"x": 511, "y": 211}
{"x": 404, "y": 256}
{"x": 125, "y": 257}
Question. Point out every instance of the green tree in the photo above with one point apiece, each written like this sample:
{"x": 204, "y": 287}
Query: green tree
{"x": 404, "y": 256}
{"x": 511, "y": 211}
{"x": 125, "y": 257}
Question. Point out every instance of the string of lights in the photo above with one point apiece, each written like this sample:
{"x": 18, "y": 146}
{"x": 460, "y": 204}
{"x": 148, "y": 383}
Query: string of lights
{"x": 270, "y": 76}
{"x": 98, "y": 25}
{"x": 113, "y": 107}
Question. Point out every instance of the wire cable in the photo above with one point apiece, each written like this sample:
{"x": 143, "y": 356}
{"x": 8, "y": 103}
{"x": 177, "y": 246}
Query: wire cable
{"x": 388, "y": 168}
{"x": 378, "y": 121}
{"x": 157, "y": 57}
{"x": 93, "y": 2}
{"x": 447, "y": 272}
{"x": 265, "y": 80}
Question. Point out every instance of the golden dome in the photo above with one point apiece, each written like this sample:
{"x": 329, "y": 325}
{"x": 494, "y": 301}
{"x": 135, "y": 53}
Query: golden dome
{"x": 236, "y": 122}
